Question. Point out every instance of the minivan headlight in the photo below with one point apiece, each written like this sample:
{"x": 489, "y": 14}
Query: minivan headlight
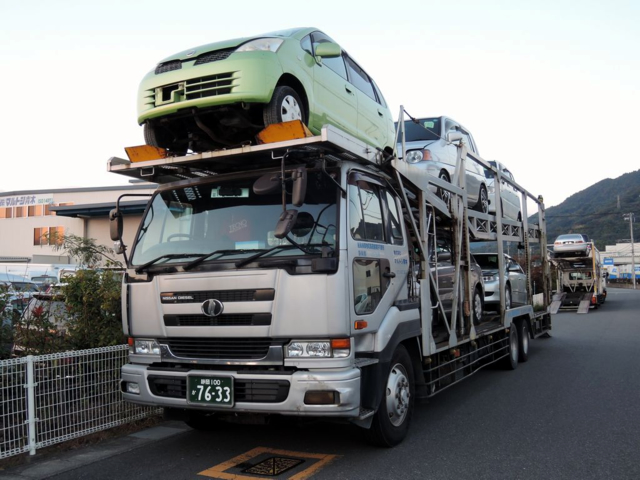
{"x": 261, "y": 44}
{"x": 414, "y": 156}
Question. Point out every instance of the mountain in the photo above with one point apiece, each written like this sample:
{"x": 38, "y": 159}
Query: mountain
{"x": 594, "y": 211}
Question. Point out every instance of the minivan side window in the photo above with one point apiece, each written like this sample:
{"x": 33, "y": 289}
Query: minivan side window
{"x": 381, "y": 100}
{"x": 305, "y": 44}
{"x": 336, "y": 63}
{"x": 360, "y": 79}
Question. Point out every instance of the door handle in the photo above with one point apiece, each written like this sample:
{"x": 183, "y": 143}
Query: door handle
{"x": 380, "y": 113}
{"x": 389, "y": 275}
{"x": 349, "y": 91}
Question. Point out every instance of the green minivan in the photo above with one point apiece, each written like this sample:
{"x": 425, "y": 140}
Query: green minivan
{"x": 222, "y": 94}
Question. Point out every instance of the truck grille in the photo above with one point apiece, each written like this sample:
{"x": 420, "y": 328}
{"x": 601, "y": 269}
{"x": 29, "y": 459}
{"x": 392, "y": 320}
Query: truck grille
{"x": 168, "y": 66}
{"x": 256, "y": 391}
{"x": 231, "y": 320}
{"x": 255, "y": 295}
{"x": 214, "y": 56}
{"x": 220, "y": 348}
{"x": 209, "y": 86}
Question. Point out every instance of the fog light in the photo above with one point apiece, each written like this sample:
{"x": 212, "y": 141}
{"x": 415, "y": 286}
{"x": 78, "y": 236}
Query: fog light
{"x": 133, "y": 388}
{"x": 321, "y": 398}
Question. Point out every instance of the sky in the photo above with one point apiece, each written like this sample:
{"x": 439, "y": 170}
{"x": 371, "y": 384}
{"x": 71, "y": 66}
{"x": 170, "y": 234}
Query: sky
{"x": 548, "y": 88}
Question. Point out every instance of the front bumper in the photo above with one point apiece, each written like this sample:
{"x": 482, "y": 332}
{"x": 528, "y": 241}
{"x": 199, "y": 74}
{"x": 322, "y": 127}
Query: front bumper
{"x": 345, "y": 381}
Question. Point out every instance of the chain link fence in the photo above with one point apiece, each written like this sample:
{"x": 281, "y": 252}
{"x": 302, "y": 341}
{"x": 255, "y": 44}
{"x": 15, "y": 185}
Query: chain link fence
{"x": 48, "y": 399}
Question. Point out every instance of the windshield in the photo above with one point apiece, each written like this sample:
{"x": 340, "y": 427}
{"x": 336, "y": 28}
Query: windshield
{"x": 487, "y": 262}
{"x": 426, "y": 129}
{"x": 226, "y": 217}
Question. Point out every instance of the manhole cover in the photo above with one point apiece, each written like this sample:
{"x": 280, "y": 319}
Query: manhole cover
{"x": 273, "y": 466}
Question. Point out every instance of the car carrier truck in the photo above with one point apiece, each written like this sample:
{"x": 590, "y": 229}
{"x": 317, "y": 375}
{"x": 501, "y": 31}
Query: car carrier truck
{"x": 581, "y": 281}
{"x": 301, "y": 278}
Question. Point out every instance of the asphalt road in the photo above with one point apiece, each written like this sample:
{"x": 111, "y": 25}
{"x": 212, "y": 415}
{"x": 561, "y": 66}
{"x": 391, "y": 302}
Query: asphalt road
{"x": 571, "y": 412}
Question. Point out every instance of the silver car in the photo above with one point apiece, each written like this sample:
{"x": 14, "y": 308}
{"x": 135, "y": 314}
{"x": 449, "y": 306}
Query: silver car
{"x": 572, "y": 245}
{"x": 516, "y": 281}
{"x": 509, "y": 195}
{"x": 427, "y": 148}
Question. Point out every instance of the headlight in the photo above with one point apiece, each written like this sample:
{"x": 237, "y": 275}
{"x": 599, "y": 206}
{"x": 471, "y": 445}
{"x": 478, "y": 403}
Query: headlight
{"x": 146, "y": 347}
{"x": 414, "y": 156}
{"x": 488, "y": 278}
{"x": 261, "y": 44}
{"x": 336, "y": 348}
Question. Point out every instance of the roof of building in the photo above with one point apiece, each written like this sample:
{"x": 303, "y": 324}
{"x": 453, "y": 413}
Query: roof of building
{"x": 99, "y": 209}
{"x": 137, "y": 186}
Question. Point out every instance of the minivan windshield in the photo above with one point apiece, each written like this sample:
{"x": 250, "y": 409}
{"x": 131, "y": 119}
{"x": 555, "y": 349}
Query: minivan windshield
{"x": 426, "y": 129}
{"x": 225, "y": 216}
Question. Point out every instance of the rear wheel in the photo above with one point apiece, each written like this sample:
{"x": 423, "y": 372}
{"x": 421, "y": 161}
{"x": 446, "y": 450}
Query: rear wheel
{"x": 523, "y": 341}
{"x": 285, "y": 106}
{"x": 510, "y": 362}
{"x": 391, "y": 421}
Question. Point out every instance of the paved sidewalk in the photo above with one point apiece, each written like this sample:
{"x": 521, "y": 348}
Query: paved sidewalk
{"x": 48, "y": 466}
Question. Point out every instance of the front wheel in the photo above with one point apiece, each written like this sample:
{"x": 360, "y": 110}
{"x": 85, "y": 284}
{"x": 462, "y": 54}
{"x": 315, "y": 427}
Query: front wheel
{"x": 285, "y": 106}
{"x": 483, "y": 200}
{"x": 391, "y": 421}
{"x": 478, "y": 306}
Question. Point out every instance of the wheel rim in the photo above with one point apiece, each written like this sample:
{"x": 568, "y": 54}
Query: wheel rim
{"x": 477, "y": 306}
{"x": 290, "y": 109}
{"x": 507, "y": 299}
{"x": 513, "y": 343}
{"x": 484, "y": 200}
{"x": 525, "y": 339}
{"x": 398, "y": 395}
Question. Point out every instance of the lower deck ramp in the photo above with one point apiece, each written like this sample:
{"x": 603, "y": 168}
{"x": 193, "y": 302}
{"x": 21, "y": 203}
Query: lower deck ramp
{"x": 556, "y": 302}
{"x": 585, "y": 302}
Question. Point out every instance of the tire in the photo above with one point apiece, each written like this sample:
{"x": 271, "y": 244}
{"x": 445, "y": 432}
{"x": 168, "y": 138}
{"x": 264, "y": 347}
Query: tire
{"x": 444, "y": 195}
{"x": 510, "y": 362}
{"x": 204, "y": 422}
{"x": 483, "y": 201}
{"x": 523, "y": 341}
{"x": 507, "y": 297}
{"x": 285, "y": 105}
{"x": 150, "y": 136}
{"x": 391, "y": 422}
{"x": 477, "y": 307}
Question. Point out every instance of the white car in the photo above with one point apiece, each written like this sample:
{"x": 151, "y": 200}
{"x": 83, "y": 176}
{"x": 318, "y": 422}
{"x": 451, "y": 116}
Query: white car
{"x": 427, "y": 148}
{"x": 516, "y": 280}
{"x": 510, "y": 196}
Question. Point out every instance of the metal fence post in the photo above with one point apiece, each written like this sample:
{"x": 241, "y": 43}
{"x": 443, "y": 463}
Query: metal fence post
{"x": 31, "y": 408}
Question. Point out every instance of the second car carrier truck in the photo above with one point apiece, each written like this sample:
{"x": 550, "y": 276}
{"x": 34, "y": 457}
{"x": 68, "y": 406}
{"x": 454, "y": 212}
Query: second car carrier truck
{"x": 301, "y": 278}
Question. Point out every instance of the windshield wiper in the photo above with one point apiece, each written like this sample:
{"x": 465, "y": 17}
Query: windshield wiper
{"x": 245, "y": 261}
{"x": 168, "y": 256}
{"x": 202, "y": 258}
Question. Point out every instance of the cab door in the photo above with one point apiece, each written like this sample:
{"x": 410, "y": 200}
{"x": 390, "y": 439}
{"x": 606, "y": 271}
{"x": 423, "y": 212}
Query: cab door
{"x": 377, "y": 251}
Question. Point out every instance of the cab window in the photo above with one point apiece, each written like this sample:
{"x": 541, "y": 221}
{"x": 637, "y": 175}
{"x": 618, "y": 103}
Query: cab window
{"x": 360, "y": 79}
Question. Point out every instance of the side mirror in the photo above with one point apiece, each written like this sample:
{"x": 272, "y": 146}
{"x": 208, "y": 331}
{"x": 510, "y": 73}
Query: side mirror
{"x": 115, "y": 224}
{"x": 454, "y": 136}
{"x": 267, "y": 184}
{"x": 299, "y": 186}
{"x": 445, "y": 257}
{"x": 328, "y": 50}
{"x": 285, "y": 223}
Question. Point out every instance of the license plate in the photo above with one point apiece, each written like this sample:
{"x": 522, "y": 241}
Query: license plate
{"x": 216, "y": 391}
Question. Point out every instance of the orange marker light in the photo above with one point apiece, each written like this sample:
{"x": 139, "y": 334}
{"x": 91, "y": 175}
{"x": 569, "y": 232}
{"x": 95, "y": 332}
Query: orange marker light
{"x": 360, "y": 324}
{"x": 340, "y": 343}
{"x": 130, "y": 341}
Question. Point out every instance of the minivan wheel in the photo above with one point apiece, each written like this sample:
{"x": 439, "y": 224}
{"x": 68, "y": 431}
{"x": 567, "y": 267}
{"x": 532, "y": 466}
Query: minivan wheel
{"x": 150, "y": 135}
{"x": 478, "y": 306}
{"x": 443, "y": 194}
{"x": 285, "y": 106}
{"x": 483, "y": 200}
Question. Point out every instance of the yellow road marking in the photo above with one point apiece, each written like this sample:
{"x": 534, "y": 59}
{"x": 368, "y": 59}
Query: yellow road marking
{"x": 220, "y": 471}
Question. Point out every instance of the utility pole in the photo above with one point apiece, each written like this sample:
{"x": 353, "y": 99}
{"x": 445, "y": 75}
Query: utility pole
{"x": 630, "y": 217}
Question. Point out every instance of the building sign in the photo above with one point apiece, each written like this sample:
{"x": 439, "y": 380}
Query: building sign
{"x": 608, "y": 261}
{"x": 26, "y": 200}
